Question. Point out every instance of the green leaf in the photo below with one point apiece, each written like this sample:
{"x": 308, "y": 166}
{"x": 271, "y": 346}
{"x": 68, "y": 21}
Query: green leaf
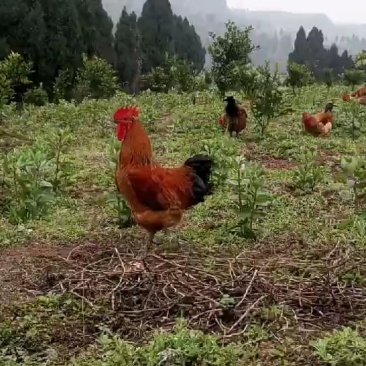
{"x": 263, "y": 199}
{"x": 336, "y": 186}
{"x": 360, "y": 185}
{"x": 349, "y": 165}
{"x": 245, "y": 213}
{"x": 345, "y": 224}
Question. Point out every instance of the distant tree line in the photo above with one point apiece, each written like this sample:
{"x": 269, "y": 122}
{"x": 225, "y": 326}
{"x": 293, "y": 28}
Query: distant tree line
{"x": 309, "y": 50}
{"x": 57, "y": 35}
{"x": 275, "y": 47}
{"x": 143, "y": 44}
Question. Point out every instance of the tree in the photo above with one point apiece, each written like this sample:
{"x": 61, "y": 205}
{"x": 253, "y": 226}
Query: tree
{"x": 316, "y": 58}
{"x": 5, "y": 91}
{"x": 54, "y": 34}
{"x": 297, "y": 75}
{"x": 63, "y": 86}
{"x": 126, "y": 47}
{"x": 334, "y": 62}
{"x": 328, "y": 77}
{"x": 174, "y": 73}
{"x": 229, "y": 53}
{"x": 162, "y": 32}
{"x": 156, "y": 26}
{"x": 158, "y": 79}
{"x": 347, "y": 61}
{"x": 188, "y": 44}
{"x": 354, "y": 77}
{"x": 361, "y": 59}
{"x": 183, "y": 74}
{"x": 248, "y": 77}
{"x": 268, "y": 98}
{"x": 300, "y": 53}
{"x": 16, "y": 70}
{"x": 310, "y": 51}
{"x": 96, "y": 29}
{"x": 46, "y": 32}
{"x": 62, "y": 44}
{"x": 14, "y": 77}
{"x": 96, "y": 79}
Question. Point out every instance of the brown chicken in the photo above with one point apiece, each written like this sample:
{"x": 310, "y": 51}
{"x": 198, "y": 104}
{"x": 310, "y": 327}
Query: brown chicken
{"x": 157, "y": 195}
{"x": 362, "y": 100}
{"x": 234, "y": 120}
{"x": 319, "y": 124}
{"x": 348, "y": 97}
{"x": 359, "y": 92}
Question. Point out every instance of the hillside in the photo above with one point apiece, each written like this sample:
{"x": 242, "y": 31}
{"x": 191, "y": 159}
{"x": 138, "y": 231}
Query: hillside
{"x": 210, "y": 16}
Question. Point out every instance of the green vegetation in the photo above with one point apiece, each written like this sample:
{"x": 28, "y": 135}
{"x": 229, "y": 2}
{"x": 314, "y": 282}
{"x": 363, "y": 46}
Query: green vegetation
{"x": 65, "y": 32}
{"x": 289, "y": 192}
{"x": 270, "y": 270}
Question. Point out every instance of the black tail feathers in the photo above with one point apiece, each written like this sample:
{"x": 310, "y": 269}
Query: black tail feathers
{"x": 202, "y": 166}
{"x": 231, "y": 108}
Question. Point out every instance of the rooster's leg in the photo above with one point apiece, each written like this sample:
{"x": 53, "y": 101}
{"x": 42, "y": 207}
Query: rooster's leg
{"x": 148, "y": 243}
{"x": 151, "y": 239}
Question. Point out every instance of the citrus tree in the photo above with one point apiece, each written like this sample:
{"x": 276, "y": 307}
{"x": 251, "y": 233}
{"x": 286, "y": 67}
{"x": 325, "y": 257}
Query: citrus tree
{"x": 230, "y": 53}
{"x": 298, "y": 76}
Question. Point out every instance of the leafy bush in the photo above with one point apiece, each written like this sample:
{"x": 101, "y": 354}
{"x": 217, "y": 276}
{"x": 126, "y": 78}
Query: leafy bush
{"x": 208, "y": 77}
{"x": 14, "y": 73}
{"x": 229, "y": 53}
{"x": 16, "y": 69}
{"x": 309, "y": 174}
{"x": 223, "y": 151}
{"x": 361, "y": 59}
{"x": 59, "y": 143}
{"x": 356, "y": 118}
{"x": 36, "y": 96}
{"x": 345, "y": 347}
{"x": 353, "y": 77}
{"x": 180, "y": 347}
{"x": 117, "y": 202}
{"x": 158, "y": 80}
{"x": 62, "y": 85}
{"x": 32, "y": 176}
{"x": 354, "y": 172}
{"x": 251, "y": 196}
{"x": 298, "y": 76}
{"x": 26, "y": 172}
{"x": 268, "y": 98}
{"x": 5, "y": 90}
{"x": 183, "y": 74}
{"x": 96, "y": 79}
{"x": 248, "y": 79}
{"x": 174, "y": 73}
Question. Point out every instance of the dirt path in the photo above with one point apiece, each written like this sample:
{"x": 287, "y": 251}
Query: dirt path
{"x": 20, "y": 268}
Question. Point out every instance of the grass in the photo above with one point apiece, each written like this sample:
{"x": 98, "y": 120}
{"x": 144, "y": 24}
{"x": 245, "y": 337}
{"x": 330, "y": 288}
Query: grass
{"x": 74, "y": 288}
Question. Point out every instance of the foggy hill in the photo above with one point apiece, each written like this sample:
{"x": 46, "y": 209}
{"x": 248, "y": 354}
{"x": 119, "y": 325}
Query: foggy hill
{"x": 269, "y": 26}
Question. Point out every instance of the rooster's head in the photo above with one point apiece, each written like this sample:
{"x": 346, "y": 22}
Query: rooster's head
{"x": 124, "y": 117}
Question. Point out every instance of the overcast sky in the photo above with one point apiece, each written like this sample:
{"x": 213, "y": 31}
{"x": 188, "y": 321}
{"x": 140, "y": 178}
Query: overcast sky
{"x": 338, "y": 11}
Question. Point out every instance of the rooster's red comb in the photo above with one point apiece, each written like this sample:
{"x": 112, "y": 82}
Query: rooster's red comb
{"x": 126, "y": 112}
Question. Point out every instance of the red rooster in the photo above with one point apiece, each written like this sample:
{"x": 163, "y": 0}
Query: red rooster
{"x": 157, "y": 195}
